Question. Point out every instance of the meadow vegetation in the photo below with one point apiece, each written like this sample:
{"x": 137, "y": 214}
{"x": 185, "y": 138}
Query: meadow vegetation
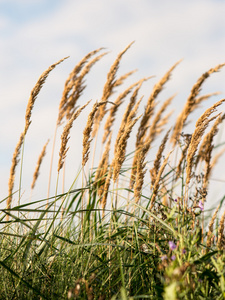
{"x": 136, "y": 227}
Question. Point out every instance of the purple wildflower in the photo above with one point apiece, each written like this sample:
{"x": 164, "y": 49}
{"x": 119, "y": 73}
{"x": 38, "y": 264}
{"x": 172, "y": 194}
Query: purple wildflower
{"x": 172, "y": 245}
{"x": 201, "y": 205}
{"x": 173, "y": 257}
{"x": 183, "y": 251}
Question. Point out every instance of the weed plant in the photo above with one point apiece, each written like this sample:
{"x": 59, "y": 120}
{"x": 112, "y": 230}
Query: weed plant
{"x": 131, "y": 230}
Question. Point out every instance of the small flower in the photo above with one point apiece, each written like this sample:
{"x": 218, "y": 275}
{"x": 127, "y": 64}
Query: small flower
{"x": 201, "y": 205}
{"x": 164, "y": 257}
{"x": 183, "y": 251}
{"x": 173, "y": 257}
{"x": 175, "y": 200}
{"x": 172, "y": 245}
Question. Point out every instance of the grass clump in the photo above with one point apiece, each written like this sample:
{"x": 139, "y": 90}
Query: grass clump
{"x": 134, "y": 228}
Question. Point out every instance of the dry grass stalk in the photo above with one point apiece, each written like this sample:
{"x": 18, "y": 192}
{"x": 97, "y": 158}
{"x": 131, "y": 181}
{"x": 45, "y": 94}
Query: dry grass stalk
{"x": 121, "y": 79}
{"x": 15, "y": 161}
{"x": 33, "y": 96}
{"x": 100, "y": 174}
{"x": 108, "y": 88}
{"x": 183, "y": 155}
{"x": 149, "y": 109}
{"x": 69, "y": 84}
{"x": 113, "y": 110}
{"x": 128, "y": 114}
{"x": 37, "y": 169}
{"x": 200, "y": 127}
{"x": 208, "y": 150}
{"x": 155, "y": 129}
{"x": 156, "y": 166}
{"x": 140, "y": 173}
{"x": 210, "y": 230}
{"x": 65, "y": 138}
{"x": 87, "y": 133}
{"x": 158, "y": 122}
{"x": 78, "y": 86}
{"x": 157, "y": 181}
{"x": 207, "y": 143}
{"x": 121, "y": 148}
{"x": 191, "y": 103}
{"x": 220, "y": 232}
{"x": 35, "y": 91}
{"x": 200, "y": 99}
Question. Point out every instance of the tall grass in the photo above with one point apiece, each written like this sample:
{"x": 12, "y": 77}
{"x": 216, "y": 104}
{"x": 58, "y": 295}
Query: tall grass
{"x": 131, "y": 230}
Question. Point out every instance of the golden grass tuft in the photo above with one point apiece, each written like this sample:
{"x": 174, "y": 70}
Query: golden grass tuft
{"x": 192, "y": 103}
{"x": 15, "y": 161}
{"x": 121, "y": 148}
{"x": 220, "y": 241}
{"x": 108, "y": 88}
{"x": 210, "y": 230}
{"x": 113, "y": 110}
{"x": 65, "y": 136}
{"x": 102, "y": 169}
{"x": 87, "y": 133}
{"x": 33, "y": 96}
{"x": 157, "y": 181}
{"x": 149, "y": 109}
{"x": 156, "y": 166}
{"x": 70, "y": 94}
{"x": 200, "y": 127}
{"x": 37, "y": 169}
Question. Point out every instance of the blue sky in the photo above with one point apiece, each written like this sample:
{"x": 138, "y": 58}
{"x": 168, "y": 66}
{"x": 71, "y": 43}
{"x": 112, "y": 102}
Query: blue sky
{"x": 34, "y": 34}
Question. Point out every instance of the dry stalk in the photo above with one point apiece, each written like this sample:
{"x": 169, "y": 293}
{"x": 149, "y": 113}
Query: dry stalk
{"x": 157, "y": 181}
{"x": 108, "y": 89}
{"x": 200, "y": 99}
{"x": 121, "y": 79}
{"x": 139, "y": 180}
{"x": 207, "y": 143}
{"x": 33, "y": 96}
{"x": 210, "y": 230}
{"x": 183, "y": 155}
{"x": 156, "y": 126}
{"x": 69, "y": 84}
{"x": 208, "y": 151}
{"x": 102, "y": 169}
{"x": 220, "y": 232}
{"x": 155, "y": 129}
{"x": 191, "y": 103}
{"x": 149, "y": 109}
{"x": 35, "y": 91}
{"x": 78, "y": 86}
{"x": 87, "y": 133}
{"x": 200, "y": 127}
{"x": 128, "y": 114}
{"x": 37, "y": 169}
{"x": 121, "y": 148}
{"x": 113, "y": 110}
{"x": 156, "y": 166}
{"x": 65, "y": 138}
{"x": 15, "y": 161}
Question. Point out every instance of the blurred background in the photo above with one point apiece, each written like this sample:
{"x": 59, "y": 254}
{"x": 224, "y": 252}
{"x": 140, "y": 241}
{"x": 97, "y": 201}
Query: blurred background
{"x": 35, "y": 34}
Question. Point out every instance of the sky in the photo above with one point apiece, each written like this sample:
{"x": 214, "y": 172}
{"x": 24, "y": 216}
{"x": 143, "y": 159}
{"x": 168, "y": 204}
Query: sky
{"x": 34, "y": 34}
